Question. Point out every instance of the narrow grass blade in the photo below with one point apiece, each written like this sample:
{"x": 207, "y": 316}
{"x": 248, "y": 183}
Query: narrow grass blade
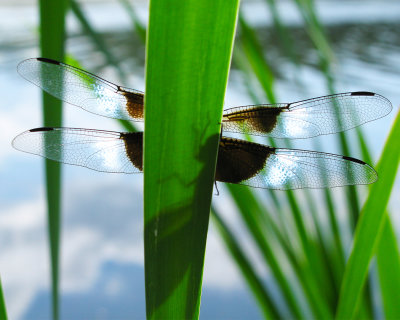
{"x": 326, "y": 57}
{"x": 188, "y": 59}
{"x": 388, "y": 262}
{"x": 283, "y": 32}
{"x": 127, "y": 125}
{"x": 311, "y": 267}
{"x": 251, "y": 213}
{"x": 265, "y": 301}
{"x": 138, "y": 26}
{"x": 261, "y": 69}
{"x": 97, "y": 39}
{"x": 322, "y": 257}
{"x": 3, "y": 310}
{"x": 315, "y": 31}
{"x": 249, "y": 210}
{"x": 369, "y": 226}
{"x": 388, "y": 259}
{"x": 52, "y": 31}
{"x": 253, "y": 50}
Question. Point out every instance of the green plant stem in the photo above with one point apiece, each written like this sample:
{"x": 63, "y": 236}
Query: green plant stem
{"x": 3, "y": 310}
{"x": 388, "y": 261}
{"x": 52, "y": 31}
{"x": 139, "y": 27}
{"x": 97, "y": 39}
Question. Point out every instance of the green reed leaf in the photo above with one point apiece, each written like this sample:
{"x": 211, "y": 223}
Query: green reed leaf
{"x": 188, "y": 59}
{"x": 388, "y": 261}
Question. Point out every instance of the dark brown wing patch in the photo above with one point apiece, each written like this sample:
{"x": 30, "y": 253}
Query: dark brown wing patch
{"x": 134, "y": 148}
{"x": 134, "y": 104}
{"x": 259, "y": 120}
{"x": 239, "y": 160}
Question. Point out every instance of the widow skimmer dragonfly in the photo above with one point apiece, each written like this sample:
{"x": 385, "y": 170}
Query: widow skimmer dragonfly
{"x": 238, "y": 161}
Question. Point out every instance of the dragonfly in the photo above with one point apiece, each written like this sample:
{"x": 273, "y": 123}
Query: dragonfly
{"x": 239, "y": 161}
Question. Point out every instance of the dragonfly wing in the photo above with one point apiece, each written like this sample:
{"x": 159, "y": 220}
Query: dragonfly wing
{"x": 286, "y": 169}
{"x": 308, "y": 118}
{"x": 83, "y": 89}
{"x": 98, "y": 150}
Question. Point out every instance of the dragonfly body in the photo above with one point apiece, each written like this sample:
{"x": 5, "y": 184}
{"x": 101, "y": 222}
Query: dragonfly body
{"x": 238, "y": 161}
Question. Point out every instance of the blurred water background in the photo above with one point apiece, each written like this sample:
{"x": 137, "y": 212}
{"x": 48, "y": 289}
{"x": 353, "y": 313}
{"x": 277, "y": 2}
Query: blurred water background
{"x": 102, "y": 273}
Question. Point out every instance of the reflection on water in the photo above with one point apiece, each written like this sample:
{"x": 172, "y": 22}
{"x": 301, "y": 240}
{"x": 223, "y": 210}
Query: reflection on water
{"x": 102, "y": 253}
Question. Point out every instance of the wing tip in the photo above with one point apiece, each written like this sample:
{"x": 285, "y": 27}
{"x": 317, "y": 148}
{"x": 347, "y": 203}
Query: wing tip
{"x": 372, "y": 174}
{"x": 16, "y": 140}
{"x": 23, "y": 62}
{"x": 388, "y": 104}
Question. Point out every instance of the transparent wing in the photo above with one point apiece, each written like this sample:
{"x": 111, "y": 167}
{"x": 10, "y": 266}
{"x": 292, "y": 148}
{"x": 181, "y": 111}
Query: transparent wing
{"x": 83, "y": 89}
{"x": 99, "y": 150}
{"x": 286, "y": 169}
{"x": 239, "y": 161}
{"x": 308, "y": 118}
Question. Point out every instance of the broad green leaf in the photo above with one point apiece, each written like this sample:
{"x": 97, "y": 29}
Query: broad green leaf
{"x": 52, "y": 31}
{"x": 369, "y": 226}
{"x": 189, "y": 46}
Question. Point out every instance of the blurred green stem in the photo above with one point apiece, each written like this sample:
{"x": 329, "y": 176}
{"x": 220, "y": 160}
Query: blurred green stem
{"x": 3, "y": 310}
{"x": 52, "y": 31}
